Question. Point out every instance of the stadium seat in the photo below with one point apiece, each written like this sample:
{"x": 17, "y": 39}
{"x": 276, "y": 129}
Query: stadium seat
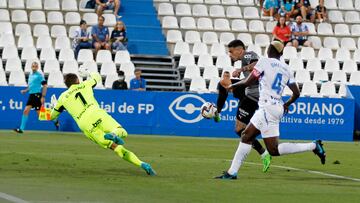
{"x": 4, "y": 15}
{"x": 217, "y": 49}
{"x": 213, "y": 84}
{"x": 173, "y": 36}
{"x": 256, "y": 26}
{"x": 85, "y": 55}
{"x": 3, "y": 81}
{"x": 325, "y": 53}
{"x": 181, "y": 48}
{"x": 122, "y": 57}
{"x": 217, "y": 11}
{"x": 34, "y": 4}
{"x": 307, "y": 53}
{"x": 338, "y": 77}
{"x": 9, "y": 52}
{"x": 47, "y": 54}
{"x": 199, "y": 49}
{"x": 212, "y": 2}
{"x": 186, "y": 60}
{"x": 52, "y": 5}
{"x": 6, "y": 28}
{"x": 188, "y": 23}
{"x": 198, "y": 84}
{"x": 72, "y": 31}
{"x": 200, "y": 10}
{"x": 204, "y": 24}
{"x": 194, "y": 1}
{"x": 331, "y": 65}
{"x": 330, "y": 4}
{"x": 66, "y": 54}
{"x": 28, "y": 64}
{"x": 311, "y": 27}
{"x": 17, "y": 4}
{"x": 72, "y": 18}
{"x": 28, "y": 53}
{"x": 62, "y": 42}
{"x": 108, "y": 68}
{"x": 331, "y": 43}
{"x": 128, "y": 68}
{"x": 342, "y": 54}
{"x": 342, "y": 90}
{"x": 348, "y": 43}
{"x": 316, "y": 41}
{"x": 233, "y": 12}
{"x": 209, "y": 38}
{"x": 352, "y": 17}
{"x": 165, "y": 9}
{"x": 346, "y": 4}
{"x": 110, "y": 19}
{"x": 325, "y": 29}
{"x": 309, "y": 89}
{"x": 3, "y": 3}
{"x": 183, "y": 10}
{"x": 70, "y": 66}
{"x": 51, "y": 65}
{"x": 355, "y": 30}
{"x": 245, "y": 38}
{"x": 229, "y": 69}
{"x": 320, "y": 76}
{"x": 328, "y": 90}
{"x": 69, "y": 5}
{"x": 205, "y": 60}
{"x": 6, "y": 40}
{"x": 355, "y": 78}
{"x": 357, "y": 4}
{"x": 226, "y": 38}
{"x": 40, "y": 30}
{"x": 25, "y": 41}
{"x": 91, "y": 65}
{"x": 37, "y": 17}
{"x": 17, "y": 78}
{"x": 349, "y": 66}
{"x": 22, "y": 29}
{"x": 56, "y": 79}
{"x": 170, "y": 22}
{"x": 55, "y": 17}
{"x": 302, "y": 76}
{"x": 103, "y": 56}
{"x": 223, "y": 61}
{"x": 58, "y": 31}
{"x": 356, "y": 56}
{"x": 43, "y": 41}
{"x": 313, "y": 65}
{"x": 221, "y": 25}
{"x": 296, "y": 64}
{"x": 90, "y": 18}
{"x": 335, "y": 16}
{"x": 255, "y": 48}
{"x": 251, "y": 13}
{"x": 262, "y": 40}
{"x": 270, "y": 26}
{"x": 110, "y": 79}
{"x": 229, "y": 2}
{"x": 342, "y": 29}
{"x": 246, "y": 2}
{"x": 13, "y": 64}
{"x": 239, "y": 25}
{"x": 19, "y": 16}
{"x": 191, "y": 71}
{"x": 192, "y": 37}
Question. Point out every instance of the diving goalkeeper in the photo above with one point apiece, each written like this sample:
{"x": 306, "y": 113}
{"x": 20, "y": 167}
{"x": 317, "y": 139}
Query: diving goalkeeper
{"x": 97, "y": 125}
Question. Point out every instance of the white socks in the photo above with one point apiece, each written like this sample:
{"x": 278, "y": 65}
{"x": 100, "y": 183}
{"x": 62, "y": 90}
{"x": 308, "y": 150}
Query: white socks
{"x": 264, "y": 154}
{"x": 240, "y": 155}
{"x": 292, "y": 148}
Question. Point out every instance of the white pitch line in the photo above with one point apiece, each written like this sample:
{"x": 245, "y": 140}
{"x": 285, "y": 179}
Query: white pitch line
{"x": 11, "y": 198}
{"x": 309, "y": 171}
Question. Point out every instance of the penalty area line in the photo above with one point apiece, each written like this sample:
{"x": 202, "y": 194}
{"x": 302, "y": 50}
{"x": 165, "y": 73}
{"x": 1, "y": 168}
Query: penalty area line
{"x": 309, "y": 171}
{"x": 11, "y": 198}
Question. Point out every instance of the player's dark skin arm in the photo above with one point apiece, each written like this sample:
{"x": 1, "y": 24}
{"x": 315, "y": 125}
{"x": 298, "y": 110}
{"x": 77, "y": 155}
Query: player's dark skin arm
{"x": 296, "y": 94}
{"x": 249, "y": 67}
{"x": 251, "y": 79}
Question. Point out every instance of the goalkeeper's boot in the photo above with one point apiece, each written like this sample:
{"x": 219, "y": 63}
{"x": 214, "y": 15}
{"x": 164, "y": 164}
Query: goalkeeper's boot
{"x": 266, "y": 162}
{"x": 114, "y": 138}
{"x": 320, "y": 151}
{"x": 217, "y": 117}
{"x": 148, "y": 169}
{"x": 227, "y": 176}
{"x": 57, "y": 125}
{"x": 18, "y": 130}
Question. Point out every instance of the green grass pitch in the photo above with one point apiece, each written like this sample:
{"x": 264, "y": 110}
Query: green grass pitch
{"x": 67, "y": 167}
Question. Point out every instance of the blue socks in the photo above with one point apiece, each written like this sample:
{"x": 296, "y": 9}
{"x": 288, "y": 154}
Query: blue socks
{"x": 24, "y": 119}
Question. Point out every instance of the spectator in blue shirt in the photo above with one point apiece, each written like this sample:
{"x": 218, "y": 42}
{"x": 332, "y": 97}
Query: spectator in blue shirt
{"x": 81, "y": 39}
{"x": 138, "y": 83}
{"x": 287, "y": 8}
{"x": 118, "y": 37}
{"x": 299, "y": 33}
{"x": 102, "y": 5}
{"x": 100, "y": 34}
{"x": 303, "y": 7}
{"x": 270, "y": 8}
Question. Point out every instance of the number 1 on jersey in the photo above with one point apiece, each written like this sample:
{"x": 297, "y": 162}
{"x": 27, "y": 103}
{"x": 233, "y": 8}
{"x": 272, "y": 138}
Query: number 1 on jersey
{"x": 277, "y": 83}
{"x": 79, "y": 95}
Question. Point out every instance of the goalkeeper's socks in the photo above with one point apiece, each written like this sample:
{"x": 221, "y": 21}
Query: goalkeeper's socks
{"x": 24, "y": 119}
{"x": 127, "y": 155}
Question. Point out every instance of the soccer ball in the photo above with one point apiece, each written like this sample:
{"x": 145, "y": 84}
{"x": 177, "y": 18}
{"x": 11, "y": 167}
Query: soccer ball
{"x": 208, "y": 110}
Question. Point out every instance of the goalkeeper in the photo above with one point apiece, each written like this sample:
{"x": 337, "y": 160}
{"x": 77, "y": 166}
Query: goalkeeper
{"x": 97, "y": 125}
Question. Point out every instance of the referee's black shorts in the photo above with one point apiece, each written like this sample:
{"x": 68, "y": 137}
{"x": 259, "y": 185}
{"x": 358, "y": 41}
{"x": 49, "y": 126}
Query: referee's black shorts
{"x": 34, "y": 101}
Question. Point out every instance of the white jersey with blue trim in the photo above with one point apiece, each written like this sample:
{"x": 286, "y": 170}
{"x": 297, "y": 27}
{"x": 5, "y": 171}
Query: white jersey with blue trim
{"x": 273, "y": 75}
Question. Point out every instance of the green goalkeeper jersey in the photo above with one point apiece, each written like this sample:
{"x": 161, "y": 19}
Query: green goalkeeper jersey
{"x": 78, "y": 100}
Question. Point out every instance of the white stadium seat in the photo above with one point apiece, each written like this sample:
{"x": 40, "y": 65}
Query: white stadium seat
{"x": 66, "y": 54}
{"x": 110, "y": 19}
{"x": 346, "y": 4}
{"x": 348, "y": 43}
{"x": 349, "y": 66}
{"x": 85, "y": 55}
{"x": 192, "y": 37}
{"x": 34, "y": 4}
{"x": 9, "y": 52}
{"x": 355, "y": 30}
{"x": 72, "y": 18}
{"x": 188, "y": 23}
{"x": 352, "y": 17}
{"x": 342, "y": 29}
{"x": 4, "y": 15}
{"x": 256, "y": 26}
{"x": 205, "y": 24}
{"x": 103, "y": 56}
{"x": 56, "y": 79}
{"x": 25, "y": 41}
{"x": 342, "y": 54}
{"x": 58, "y": 31}
{"x": 330, "y": 4}
{"x": 200, "y": 10}
{"x": 90, "y": 18}
{"x": 316, "y": 41}
{"x": 55, "y": 17}
{"x": 91, "y": 66}
{"x": 128, "y": 68}
{"x": 239, "y": 25}
{"x": 19, "y": 16}
{"x": 212, "y": 2}
{"x": 72, "y": 31}
{"x": 205, "y": 60}
{"x": 51, "y": 65}
{"x": 110, "y": 79}
{"x": 181, "y": 48}
{"x": 356, "y": 56}
{"x": 309, "y": 89}
{"x": 313, "y": 65}
{"x": 17, "y": 78}
{"x": 307, "y": 53}
{"x": 342, "y": 90}
{"x": 47, "y": 54}
{"x": 170, "y": 22}
{"x": 229, "y": 2}
{"x": 40, "y": 30}
{"x": 7, "y": 40}
{"x": 191, "y": 71}
{"x": 186, "y": 60}
{"x": 213, "y": 84}
{"x": 6, "y": 28}
{"x": 173, "y": 36}
{"x": 311, "y": 28}
{"x": 217, "y": 11}
{"x": 62, "y": 42}
{"x": 108, "y": 68}
{"x": 270, "y": 26}
{"x": 43, "y": 41}
{"x": 13, "y": 64}
{"x": 355, "y": 78}
{"x": 198, "y": 84}
{"x": 325, "y": 29}
{"x": 183, "y": 10}
{"x": 70, "y": 66}
{"x": 221, "y": 24}
{"x": 246, "y": 2}
{"x": 255, "y": 48}
{"x": 233, "y": 12}
{"x": 210, "y": 38}
{"x": 302, "y": 76}
{"x": 338, "y": 77}
{"x": 122, "y": 57}
{"x": 328, "y": 90}
{"x": 335, "y": 16}
{"x": 226, "y": 37}
{"x": 3, "y": 81}
{"x": 37, "y": 17}
{"x": 296, "y": 64}
{"x": 262, "y": 40}
{"x": 28, "y": 53}
{"x": 223, "y": 61}
{"x": 17, "y": 4}
{"x": 199, "y": 48}
{"x": 22, "y": 29}
{"x": 320, "y": 76}
{"x": 69, "y": 5}
{"x": 165, "y": 9}
{"x": 325, "y": 53}
{"x": 245, "y": 38}
{"x": 52, "y": 5}
{"x": 3, "y": 3}
{"x": 251, "y": 13}
{"x": 217, "y": 49}
{"x": 331, "y": 43}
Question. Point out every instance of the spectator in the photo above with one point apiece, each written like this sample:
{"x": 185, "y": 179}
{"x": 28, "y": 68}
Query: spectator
{"x": 102, "y": 5}
{"x": 287, "y": 8}
{"x": 299, "y": 33}
{"x": 118, "y": 37}
{"x": 120, "y": 84}
{"x": 81, "y": 39}
{"x": 138, "y": 83}
{"x": 282, "y": 32}
{"x": 270, "y": 8}
{"x": 303, "y": 7}
{"x": 100, "y": 34}
{"x": 321, "y": 11}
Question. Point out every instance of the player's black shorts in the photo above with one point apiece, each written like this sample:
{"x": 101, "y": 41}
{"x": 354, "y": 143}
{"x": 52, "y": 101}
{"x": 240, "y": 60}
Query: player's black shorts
{"x": 34, "y": 101}
{"x": 246, "y": 109}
